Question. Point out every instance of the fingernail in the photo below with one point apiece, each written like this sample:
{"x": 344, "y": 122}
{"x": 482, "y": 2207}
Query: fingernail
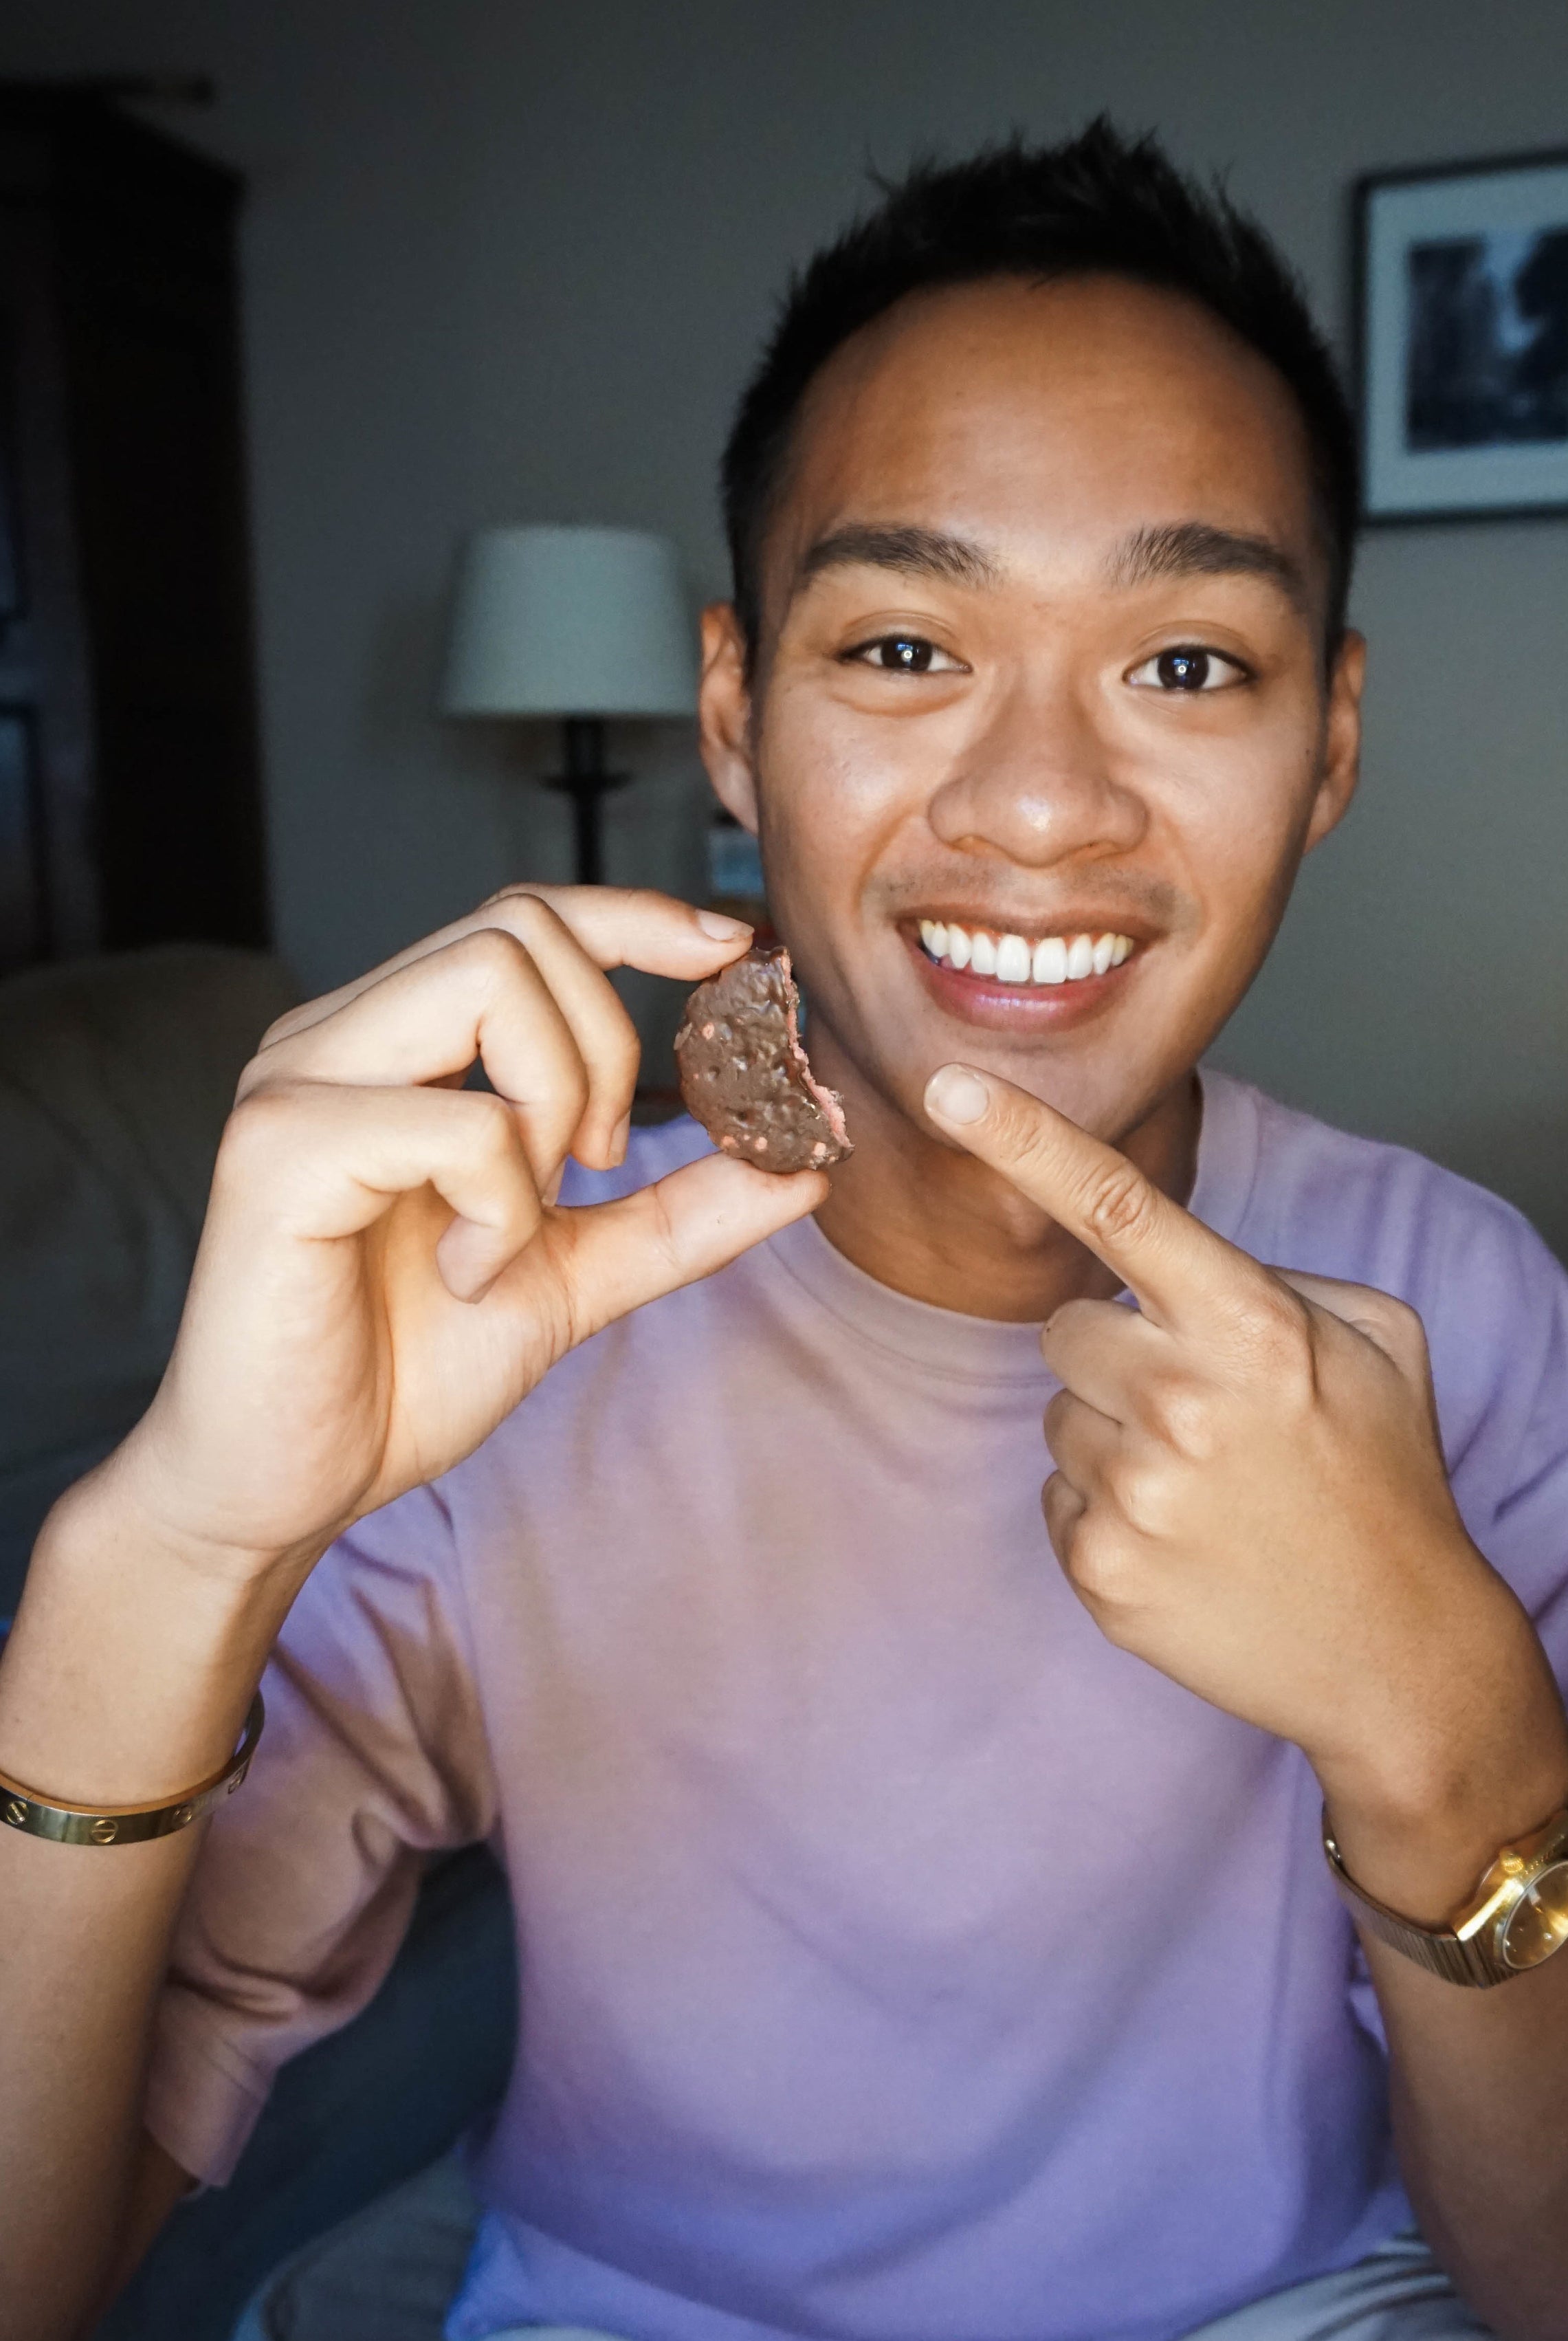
{"x": 617, "y": 1138}
{"x": 957, "y": 1094}
{"x": 722, "y": 930}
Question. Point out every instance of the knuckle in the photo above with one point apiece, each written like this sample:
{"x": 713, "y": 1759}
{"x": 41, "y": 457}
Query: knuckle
{"x": 1181, "y": 1414}
{"x": 493, "y": 956}
{"x": 1061, "y": 1512}
{"x": 494, "y": 1125}
{"x": 1100, "y": 1566}
{"x": 281, "y": 1028}
{"x": 1139, "y": 1491}
{"x": 1275, "y": 1334}
{"x": 253, "y": 1074}
{"x": 264, "y": 1118}
{"x": 1062, "y": 1506}
{"x": 287, "y": 1040}
{"x": 529, "y": 912}
{"x": 1029, "y": 1145}
{"x": 1396, "y": 1319}
{"x": 1120, "y": 1204}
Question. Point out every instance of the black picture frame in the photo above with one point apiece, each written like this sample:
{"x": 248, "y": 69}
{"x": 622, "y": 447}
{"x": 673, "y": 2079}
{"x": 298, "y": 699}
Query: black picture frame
{"x": 1463, "y": 390}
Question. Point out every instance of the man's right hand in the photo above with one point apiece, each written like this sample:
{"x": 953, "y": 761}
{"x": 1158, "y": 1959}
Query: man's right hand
{"x": 385, "y": 1272}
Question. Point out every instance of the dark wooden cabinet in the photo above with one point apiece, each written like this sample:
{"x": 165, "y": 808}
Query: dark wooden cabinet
{"x": 130, "y": 799}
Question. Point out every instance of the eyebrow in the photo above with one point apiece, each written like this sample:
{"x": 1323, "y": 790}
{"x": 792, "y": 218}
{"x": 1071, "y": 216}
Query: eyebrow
{"x": 1193, "y": 548}
{"x": 912, "y": 552}
{"x": 1189, "y": 548}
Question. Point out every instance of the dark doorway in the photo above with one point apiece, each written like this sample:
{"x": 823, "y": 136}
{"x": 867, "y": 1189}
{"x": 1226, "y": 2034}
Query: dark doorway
{"x": 130, "y": 801}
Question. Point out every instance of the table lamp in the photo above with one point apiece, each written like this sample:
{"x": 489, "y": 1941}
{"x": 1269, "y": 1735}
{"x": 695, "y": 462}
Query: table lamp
{"x": 583, "y": 623}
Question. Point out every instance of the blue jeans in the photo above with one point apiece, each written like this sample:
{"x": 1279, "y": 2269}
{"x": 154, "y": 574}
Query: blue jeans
{"x": 390, "y": 2273}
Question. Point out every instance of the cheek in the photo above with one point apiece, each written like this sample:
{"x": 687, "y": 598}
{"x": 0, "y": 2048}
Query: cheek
{"x": 1235, "y": 818}
{"x": 834, "y": 787}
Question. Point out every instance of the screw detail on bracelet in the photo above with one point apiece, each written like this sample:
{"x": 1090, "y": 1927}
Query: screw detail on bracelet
{"x": 37, "y": 1816}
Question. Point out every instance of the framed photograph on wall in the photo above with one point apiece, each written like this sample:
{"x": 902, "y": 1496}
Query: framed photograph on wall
{"x": 1463, "y": 300}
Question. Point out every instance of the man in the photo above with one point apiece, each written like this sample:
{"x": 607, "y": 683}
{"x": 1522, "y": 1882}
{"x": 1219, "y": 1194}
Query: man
{"x": 917, "y": 1939}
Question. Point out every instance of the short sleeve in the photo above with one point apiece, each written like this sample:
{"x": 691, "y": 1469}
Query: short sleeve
{"x": 373, "y": 1757}
{"x": 1499, "y": 1337}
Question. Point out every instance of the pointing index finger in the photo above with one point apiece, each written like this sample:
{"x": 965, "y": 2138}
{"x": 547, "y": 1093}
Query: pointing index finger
{"x": 1177, "y": 1270}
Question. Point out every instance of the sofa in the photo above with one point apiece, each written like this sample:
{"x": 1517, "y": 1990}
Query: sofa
{"x": 115, "y": 1076}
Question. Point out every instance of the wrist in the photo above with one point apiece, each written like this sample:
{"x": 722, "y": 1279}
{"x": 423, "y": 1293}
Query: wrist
{"x": 135, "y": 1653}
{"x": 1418, "y": 1822}
{"x": 150, "y": 1496}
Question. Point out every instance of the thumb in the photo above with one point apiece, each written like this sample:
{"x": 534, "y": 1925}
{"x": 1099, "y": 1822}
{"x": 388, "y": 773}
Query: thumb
{"x": 698, "y": 1219}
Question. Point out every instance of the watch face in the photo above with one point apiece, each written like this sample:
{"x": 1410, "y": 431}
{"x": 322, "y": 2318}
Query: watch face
{"x": 1538, "y": 1923}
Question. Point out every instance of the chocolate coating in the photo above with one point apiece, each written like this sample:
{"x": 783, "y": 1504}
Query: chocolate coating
{"x": 744, "y": 1074}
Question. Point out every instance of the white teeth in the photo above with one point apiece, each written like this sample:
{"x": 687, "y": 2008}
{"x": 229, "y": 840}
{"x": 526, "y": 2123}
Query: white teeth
{"x": 1011, "y": 958}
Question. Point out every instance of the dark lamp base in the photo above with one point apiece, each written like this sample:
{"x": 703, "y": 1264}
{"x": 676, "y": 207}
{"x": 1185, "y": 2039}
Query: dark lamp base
{"x": 584, "y": 781}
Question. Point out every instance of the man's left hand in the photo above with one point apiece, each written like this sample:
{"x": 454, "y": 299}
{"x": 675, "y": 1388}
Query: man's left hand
{"x": 1250, "y": 1494}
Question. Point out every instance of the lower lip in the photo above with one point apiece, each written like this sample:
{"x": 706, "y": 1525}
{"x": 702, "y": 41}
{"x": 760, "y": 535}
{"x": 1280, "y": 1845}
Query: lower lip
{"x": 1030, "y": 1008}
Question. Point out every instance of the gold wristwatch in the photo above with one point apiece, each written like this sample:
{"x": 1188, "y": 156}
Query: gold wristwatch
{"x": 1515, "y": 1920}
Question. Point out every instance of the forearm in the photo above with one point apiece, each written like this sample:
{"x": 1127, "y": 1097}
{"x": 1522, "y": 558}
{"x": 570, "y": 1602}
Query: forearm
{"x": 1479, "y": 2081}
{"x": 125, "y": 1681}
{"x": 81, "y": 1958}
{"x": 1478, "y": 2078}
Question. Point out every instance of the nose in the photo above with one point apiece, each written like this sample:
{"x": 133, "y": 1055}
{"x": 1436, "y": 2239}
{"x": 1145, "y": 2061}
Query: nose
{"x": 1034, "y": 783}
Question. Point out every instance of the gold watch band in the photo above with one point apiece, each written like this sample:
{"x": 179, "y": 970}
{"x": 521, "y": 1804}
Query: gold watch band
{"x": 23, "y": 1808}
{"x": 1473, "y": 1950}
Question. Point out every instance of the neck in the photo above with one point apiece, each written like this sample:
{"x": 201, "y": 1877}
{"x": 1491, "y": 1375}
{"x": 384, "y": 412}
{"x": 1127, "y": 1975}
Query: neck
{"x": 927, "y": 1220}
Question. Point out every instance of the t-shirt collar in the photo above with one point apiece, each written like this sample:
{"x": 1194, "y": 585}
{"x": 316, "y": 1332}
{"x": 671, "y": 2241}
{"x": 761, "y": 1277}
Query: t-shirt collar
{"x": 982, "y": 1348}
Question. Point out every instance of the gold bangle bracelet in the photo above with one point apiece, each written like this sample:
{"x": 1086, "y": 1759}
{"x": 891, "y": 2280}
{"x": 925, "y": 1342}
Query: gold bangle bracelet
{"x": 22, "y": 1808}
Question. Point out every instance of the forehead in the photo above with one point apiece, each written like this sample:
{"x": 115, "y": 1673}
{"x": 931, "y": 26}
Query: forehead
{"x": 1047, "y": 421}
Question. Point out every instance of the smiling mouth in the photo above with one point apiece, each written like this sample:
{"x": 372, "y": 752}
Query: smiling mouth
{"x": 1045, "y": 961}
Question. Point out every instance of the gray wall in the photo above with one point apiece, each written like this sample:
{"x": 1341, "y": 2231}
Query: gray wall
{"x": 509, "y": 262}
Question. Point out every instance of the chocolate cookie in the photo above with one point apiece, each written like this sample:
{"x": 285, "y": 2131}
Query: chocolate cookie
{"x": 744, "y": 1074}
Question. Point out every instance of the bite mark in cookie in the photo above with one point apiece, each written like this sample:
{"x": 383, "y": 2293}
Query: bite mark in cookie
{"x": 744, "y": 1074}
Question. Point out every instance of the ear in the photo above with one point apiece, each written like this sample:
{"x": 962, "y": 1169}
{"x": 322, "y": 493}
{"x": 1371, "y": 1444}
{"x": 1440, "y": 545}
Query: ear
{"x": 1341, "y": 740}
{"x": 724, "y": 714}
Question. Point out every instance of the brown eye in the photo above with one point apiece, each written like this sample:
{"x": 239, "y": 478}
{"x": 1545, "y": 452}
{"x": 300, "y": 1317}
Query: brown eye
{"x": 1186, "y": 667}
{"x": 904, "y": 654}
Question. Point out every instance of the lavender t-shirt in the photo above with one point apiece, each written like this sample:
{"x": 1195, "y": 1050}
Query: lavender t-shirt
{"x": 900, "y": 1961}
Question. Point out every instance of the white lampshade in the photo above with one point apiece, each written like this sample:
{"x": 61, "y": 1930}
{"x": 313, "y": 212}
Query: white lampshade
{"x": 570, "y": 621}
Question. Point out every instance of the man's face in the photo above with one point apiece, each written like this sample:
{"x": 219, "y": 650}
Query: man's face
{"x": 1039, "y": 728}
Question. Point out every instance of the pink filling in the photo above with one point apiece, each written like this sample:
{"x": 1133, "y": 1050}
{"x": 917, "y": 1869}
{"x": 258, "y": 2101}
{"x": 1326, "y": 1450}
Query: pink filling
{"x": 827, "y": 1101}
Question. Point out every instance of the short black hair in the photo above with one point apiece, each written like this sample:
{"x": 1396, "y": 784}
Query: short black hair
{"x": 1098, "y": 204}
